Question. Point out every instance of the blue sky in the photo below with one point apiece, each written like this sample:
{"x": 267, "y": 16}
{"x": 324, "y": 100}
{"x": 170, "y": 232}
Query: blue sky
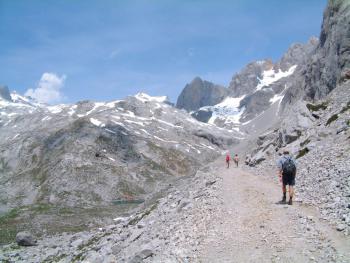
{"x": 105, "y": 50}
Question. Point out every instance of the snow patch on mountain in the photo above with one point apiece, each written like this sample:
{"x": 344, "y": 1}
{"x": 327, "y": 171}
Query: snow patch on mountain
{"x": 145, "y": 97}
{"x": 228, "y": 109}
{"x": 56, "y": 109}
{"x": 96, "y": 122}
{"x": 270, "y": 76}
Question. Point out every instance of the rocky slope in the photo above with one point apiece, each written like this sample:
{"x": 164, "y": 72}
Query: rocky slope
{"x": 170, "y": 230}
{"x": 317, "y": 131}
{"x": 76, "y": 159}
{"x": 321, "y": 143}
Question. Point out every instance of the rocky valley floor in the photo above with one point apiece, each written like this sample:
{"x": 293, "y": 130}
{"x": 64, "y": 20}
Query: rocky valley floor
{"x": 219, "y": 215}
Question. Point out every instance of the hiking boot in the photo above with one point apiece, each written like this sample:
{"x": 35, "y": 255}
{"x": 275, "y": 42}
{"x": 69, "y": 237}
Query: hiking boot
{"x": 290, "y": 202}
{"x": 283, "y": 201}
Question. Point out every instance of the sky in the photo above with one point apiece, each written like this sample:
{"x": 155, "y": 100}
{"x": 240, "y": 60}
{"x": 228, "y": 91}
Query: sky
{"x": 64, "y": 51}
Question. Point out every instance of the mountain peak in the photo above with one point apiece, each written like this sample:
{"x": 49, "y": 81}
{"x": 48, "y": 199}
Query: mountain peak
{"x": 196, "y": 80}
{"x": 200, "y": 93}
{"x": 5, "y": 93}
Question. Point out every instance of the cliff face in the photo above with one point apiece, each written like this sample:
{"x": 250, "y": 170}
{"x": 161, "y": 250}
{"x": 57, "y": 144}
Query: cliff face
{"x": 329, "y": 64}
{"x": 5, "y": 93}
{"x": 200, "y": 93}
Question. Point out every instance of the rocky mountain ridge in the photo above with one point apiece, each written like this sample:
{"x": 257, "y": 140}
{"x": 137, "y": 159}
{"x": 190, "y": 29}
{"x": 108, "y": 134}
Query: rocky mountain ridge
{"x": 81, "y": 156}
{"x": 255, "y": 89}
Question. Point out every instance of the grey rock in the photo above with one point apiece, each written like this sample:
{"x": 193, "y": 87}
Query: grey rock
{"x": 77, "y": 243}
{"x": 25, "y": 239}
{"x": 245, "y": 81}
{"x": 332, "y": 55}
{"x": 209, "y": 183}
{"x": 340, "y": 227}
{"x": 202, "y": 115}
{"x": 140, "y": 256}
{"x": 5, "y": 93}
{"x": 200, "y": 93}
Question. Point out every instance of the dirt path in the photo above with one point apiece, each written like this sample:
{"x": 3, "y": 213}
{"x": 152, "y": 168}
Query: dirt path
{"x": 251, "y": 227}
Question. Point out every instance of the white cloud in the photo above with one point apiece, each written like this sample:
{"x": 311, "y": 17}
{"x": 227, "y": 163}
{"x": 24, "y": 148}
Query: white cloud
{"x": 48, "y": 89}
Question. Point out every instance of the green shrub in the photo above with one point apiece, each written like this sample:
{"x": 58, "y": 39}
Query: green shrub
{"x": 331, "y": 119}
{"x": 302, "y": 152}
{"x": 317, "y": 107}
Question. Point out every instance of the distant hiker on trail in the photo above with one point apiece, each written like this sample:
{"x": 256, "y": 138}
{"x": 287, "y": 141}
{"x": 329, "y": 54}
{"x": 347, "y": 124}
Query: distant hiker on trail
{"x": 236, "y": 159}
{"x": 228, "y": 158}
{"x": 287, "y": 171}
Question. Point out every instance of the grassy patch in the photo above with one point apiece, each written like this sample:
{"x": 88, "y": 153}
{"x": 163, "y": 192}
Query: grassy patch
{"x": 138, "y": 218}
{"x": 8, "y": 234}
{"x": 66, "y": 210}
{"x": 302, "y": 152}
{"x": 317, "y": 107}
{"x": 41, "y": 208}
{"x": 78, "y": 258}
{"x": 12, "y": 214}
{"x": 332, "y": 119}
{"x": 8, "y": 226}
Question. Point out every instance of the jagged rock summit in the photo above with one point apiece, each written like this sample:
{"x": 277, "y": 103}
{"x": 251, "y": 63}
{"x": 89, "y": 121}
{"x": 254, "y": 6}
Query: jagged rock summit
{"x": 200, "y": 93}
{"x": 5, "y": 93}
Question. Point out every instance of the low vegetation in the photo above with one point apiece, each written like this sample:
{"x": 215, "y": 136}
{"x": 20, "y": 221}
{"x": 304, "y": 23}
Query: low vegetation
{"x": 302, "y": 152}
{"x": 332, "y": 119}
{"x": 317, "y": 107}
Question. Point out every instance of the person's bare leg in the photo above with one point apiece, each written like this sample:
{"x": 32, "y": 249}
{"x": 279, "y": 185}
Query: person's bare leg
{"x": 284, "y": 190}
{"x": 291, "y": 193}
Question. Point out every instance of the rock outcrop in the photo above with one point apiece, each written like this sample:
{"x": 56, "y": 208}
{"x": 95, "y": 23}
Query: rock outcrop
{"x": 331, "y": 60}
{"x": 5, "y": 93}
{"x": 200, "y": 93}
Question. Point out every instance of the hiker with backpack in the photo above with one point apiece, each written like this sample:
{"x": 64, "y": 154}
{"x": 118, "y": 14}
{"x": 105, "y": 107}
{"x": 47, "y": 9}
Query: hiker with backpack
{"x": 287, "y": 171}
{"x": 236, "y": 159}
{"x": 228, "y": 158}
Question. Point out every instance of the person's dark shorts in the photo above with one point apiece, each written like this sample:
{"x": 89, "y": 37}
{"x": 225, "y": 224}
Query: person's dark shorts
{"x": 288, "y": 179}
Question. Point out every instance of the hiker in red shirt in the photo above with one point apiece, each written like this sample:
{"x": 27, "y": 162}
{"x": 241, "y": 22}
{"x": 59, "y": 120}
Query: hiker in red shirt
{"x": 228, "y": 158}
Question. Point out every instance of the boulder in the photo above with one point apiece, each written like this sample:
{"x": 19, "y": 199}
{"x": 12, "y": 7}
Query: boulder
{"x": 25, "y": 239}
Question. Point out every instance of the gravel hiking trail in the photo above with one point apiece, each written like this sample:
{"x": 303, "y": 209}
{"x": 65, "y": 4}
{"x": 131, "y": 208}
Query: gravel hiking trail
{"x": 251, "y": 227}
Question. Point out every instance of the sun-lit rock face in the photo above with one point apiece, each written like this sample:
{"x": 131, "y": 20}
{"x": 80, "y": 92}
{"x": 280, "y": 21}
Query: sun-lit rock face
{"x": 200, "y": 93}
